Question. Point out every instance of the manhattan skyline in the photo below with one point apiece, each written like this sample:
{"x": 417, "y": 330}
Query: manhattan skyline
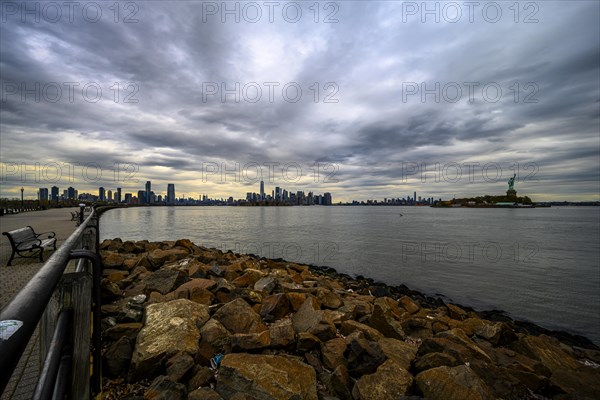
{"x": 379, "y": 94}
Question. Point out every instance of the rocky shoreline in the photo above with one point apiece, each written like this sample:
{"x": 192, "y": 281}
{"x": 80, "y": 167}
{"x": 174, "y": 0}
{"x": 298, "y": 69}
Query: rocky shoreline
{"x": 181, "y": 321}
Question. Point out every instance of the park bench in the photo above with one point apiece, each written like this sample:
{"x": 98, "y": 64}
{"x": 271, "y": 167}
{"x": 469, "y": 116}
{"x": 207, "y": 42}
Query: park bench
{"x": 26, "y": 243}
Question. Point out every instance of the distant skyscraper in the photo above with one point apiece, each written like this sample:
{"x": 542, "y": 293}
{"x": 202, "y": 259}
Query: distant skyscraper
{"x": 54, "y": 193}
{"x": 327, "y": 201}
{"x": 118, "y": 195}
{"x": 71, "y": 192}
{"x": 171, "y": 193}
{"x": 43, "y": 194}
{"x": 415, "y": 198}
{"x": 262, "y": 190}
{"x": 101, "y": 194}
{"x": 148, "y": 196}
{"x": 109, "y": 195}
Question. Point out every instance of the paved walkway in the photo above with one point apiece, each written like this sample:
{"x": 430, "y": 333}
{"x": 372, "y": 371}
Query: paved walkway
{"x": 13, "y": 278}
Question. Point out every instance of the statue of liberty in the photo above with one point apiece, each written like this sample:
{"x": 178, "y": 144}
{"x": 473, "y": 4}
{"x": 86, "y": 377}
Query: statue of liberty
{"x": 511, "y": 183}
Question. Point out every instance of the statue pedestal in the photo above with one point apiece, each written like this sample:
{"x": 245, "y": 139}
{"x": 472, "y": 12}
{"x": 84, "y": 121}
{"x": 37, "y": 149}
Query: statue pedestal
{"x": 511, "y": 193}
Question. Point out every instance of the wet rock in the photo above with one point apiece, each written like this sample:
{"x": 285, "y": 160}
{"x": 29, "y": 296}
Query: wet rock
{"x": 445, "y": 383}
{"x": 118, "y": 356}
{"x": 399, "y": 351}
{"x": 238, "y": 317}
{"x": 313, "y": 320}
{"x": 164, "y": 281}
{"x": 169, "y": 328}
{"x": 390, "y": 381}
{"x": 266, "y": 377}
{"x": 162, "y": 388}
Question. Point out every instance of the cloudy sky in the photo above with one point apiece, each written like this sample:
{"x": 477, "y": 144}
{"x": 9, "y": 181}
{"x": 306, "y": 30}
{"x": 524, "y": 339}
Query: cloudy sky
{"x": 361, "y": 99}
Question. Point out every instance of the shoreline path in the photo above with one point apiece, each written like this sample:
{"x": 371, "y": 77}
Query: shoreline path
{"x": 13, "y": 278}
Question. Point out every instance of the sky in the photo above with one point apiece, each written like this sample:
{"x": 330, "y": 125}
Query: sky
{"x": 365, "y": 100}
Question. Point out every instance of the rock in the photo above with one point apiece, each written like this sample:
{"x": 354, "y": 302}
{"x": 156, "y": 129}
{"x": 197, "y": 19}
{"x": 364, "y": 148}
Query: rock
{"x": 390, "y": 381}
{"x": 296, "y": 300}
{"x": 186, "y": 244}
{"x": 306, "y": 342}
{"x": 111, "y": 245}
{"x": 178, "y": 366}
{"x": 409, "y": 305}
{"x": 215, "y": 333}
{"x": 114, "y": 275}
{"x": 275, "y": 307}
{"x": 364, "y": 356}
{"x": 548, "y": 351}
{"x": 238, "y": 317}
{"x": 350, "y": 326}
{"x": 417, "y": 327}
{"x": 266, "y": 377}
{"x": 112, "y": 260}
{"x": 328, "y": 299}
{"x": 265, "y": 284}
{"x": 129, "y": 330}
{"x": 204, "y": 393}
{"x": 197, "y": 283}
{"x": 117, "y": 357}
{"x": 399, "y": 351}
{"x": 162, "y": 388}
{"x": 110, "y": 291}
{"x": 282, "y": 333}
{"x": 456, "y": 344}
{"x": 158, "y": 257}
{"x": 201, "y": 296}
{"x": 333, "y": 352}
{"x": 498, "y": 334}
{"x": 504, "y": 383}
{"x": 455, "y": 312}
{"x": 311, "y": 319}
{"x": 434, "y": 360}
{"x": 130, "y": 248}
{"x": 164, "y": 281}
{"x": 248, "y": 279}
{"x": 385, "y": 318}
{"x": 169, "y": 328}
{"x": 445, "y": 383}
{"x": 201, "y": 376}
{"x": 250, "y": 341}
{"x": 341, "y": 382}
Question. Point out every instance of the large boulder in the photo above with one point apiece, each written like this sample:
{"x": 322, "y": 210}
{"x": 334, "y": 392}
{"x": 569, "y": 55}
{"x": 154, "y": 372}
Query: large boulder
{"x": 390, "y": 381}
{"x": 386, "y": 318}
{"x": 170, "y": 328}
{"x": 265, "y": 377}
{"x": 456, "y": 344}
{"x": 164, "y": 281}
{"x": 445, "y": 383}
{"x": 401, "y": 352}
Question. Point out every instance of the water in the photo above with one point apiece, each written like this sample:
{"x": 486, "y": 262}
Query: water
{"x": 541, "y": 265}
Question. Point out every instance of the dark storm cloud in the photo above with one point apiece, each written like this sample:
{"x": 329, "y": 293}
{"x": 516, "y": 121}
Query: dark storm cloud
{"x": 165, "y": 61}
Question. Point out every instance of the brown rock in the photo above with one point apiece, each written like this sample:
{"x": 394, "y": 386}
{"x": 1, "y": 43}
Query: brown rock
{"x": 455, "y": 312}
{"x": 250, "y": 341}
{"x": 158, "y": 257}
{"x": 434, "y": 360}
{"x": 275, "y": 307}
{"x": 445, "y": 383}
{"x": 341, "y": 382}
{"x": 163, "y": 388}
{"x": 399, "y": 351}
{"x": 311, "y": 319}
{"x": 417, "y": 327}
{"x": 238, "y": 317}
{"x": 385, "y": 318}
{"x": 390, "y": 381}
{"x": 409, "y": 305}
{"x": 266, "y": 377}
{"x": 131, "y": 248}
{"x": 178, "y": 366}
{"x": 306, "y": 342}
{"x": 350, "y": 326}
{"x": 363, "y": 356}
{"x": 112, "y": 260}
{"x": 296, "y": 300}
{"x": 328, "y": 299}
{"x": 117, "y": 357}
{"x": 164, "y": 281}
{"x": 204, "y": 393}
{"x": 129, "y": 330}
{"x": 333, "y": 352}
{"x": 282, "y": 333}
{"x": 201, "y": 376}
{"x": 248, "y": 279}
{"x": 456, "y": 344}
{"x": 215, "y": 334}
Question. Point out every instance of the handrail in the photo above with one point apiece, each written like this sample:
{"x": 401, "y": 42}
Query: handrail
{"x": 29, "y": 304}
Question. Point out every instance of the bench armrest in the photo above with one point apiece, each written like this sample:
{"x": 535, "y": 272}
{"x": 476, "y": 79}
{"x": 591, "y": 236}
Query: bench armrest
{"x": 50, "y": 234}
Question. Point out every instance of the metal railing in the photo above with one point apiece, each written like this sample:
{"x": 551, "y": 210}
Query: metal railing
{"x": 61, "y": 303}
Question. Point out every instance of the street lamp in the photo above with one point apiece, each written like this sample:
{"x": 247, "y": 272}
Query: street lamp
{"x": 22, "y": 190}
